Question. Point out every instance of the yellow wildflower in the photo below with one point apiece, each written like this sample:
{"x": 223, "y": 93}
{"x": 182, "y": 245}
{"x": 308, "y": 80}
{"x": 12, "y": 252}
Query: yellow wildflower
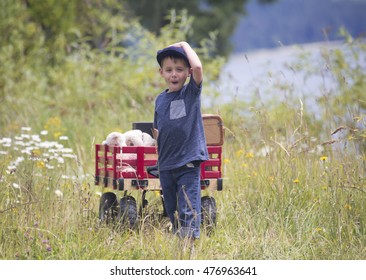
{"x": 226, "y": 160}
{"x": 36, "y": 153}
{"x": 57, "y": 135}
{"x": 249, "y": 155}
{"x": 347, "y": 206}
{"x": 40, "y": 164}
{"x": 296, "y": 181}
{"x": 239, "y": 153}
{"x": 323, "y": 158}
{"x": 53, "y": 123}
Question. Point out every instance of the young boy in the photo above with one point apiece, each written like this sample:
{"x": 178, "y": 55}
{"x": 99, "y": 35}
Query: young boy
{"x": 181, "y": 139}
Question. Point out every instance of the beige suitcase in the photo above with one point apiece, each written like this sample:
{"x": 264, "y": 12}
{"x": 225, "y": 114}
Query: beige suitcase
{"x": 214, "y": 129}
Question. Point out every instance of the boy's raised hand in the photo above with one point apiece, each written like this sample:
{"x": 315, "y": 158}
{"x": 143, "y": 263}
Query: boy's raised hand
{"x": 194, "y": 61}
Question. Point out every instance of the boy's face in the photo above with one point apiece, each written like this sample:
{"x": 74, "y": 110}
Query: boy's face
{"x": 175, "y": 73}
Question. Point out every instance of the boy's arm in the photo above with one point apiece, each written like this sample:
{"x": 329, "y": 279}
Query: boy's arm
{"x": 155, "y": 133}
{"x": 196, "y": 65}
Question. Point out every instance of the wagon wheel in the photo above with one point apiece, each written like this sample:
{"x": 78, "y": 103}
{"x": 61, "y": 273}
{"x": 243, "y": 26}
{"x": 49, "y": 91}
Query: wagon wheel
{"x": 108, "y": 207}
{"x": 209, "y": 210}
{"x": 127, "y": 215}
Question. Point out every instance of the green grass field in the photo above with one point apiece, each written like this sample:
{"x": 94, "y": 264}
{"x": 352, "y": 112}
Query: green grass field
{"x": 292, "y": 188}
{"x": 278, "y": 206}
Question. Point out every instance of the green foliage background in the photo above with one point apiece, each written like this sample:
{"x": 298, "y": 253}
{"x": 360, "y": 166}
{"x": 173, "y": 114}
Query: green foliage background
{"x": 50, "y": 68}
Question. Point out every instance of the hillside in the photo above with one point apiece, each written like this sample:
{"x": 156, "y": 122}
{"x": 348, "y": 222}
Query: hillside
{"x": 297, "y": 21}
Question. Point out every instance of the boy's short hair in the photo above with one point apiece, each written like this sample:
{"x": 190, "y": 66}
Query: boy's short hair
{"x": 175, "y": 52}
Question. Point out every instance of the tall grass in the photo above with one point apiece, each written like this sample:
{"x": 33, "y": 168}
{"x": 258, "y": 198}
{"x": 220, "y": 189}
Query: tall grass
{"x": 291, "y": 189}
{"x": 277, "y": 206}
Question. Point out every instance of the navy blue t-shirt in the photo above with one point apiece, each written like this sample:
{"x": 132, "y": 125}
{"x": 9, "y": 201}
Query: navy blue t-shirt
{"x": 178, "y": 119}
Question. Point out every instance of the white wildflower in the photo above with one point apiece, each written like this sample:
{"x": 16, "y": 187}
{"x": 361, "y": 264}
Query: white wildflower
{"x": 19, "y": 143}
{"x": 26, "y": 151}
{"x": 319, "y": 149}
{"x": 44, "y": 132}
{"x": 264, "y": 151}
{"x": 36, "y": 138}
{"x": 16, "y": 186}
{"x": 19, "y": 160}
{"x": 66, "y": 150}
{"x": 12, "y": 167}
{"x": 59, "y": 146}
{"x": 5, "y": 140}
{"x": 49, "y": 144}
{"x": 69, "y": 156}
{"x": 59, "y": 193}
{"x": 26, "y": 128}
{"x": 313, "y": 139}
{"x": 64, "y": 138}
{"x": 48, "y": 166}
{"x": 28, "y": 144}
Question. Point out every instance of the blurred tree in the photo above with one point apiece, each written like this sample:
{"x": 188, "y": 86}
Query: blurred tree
{"x": 220, "y": 16}
{"x": 62, "y": 23}
{"x": 56, "y": 20}
{"x": 99, "y": 22}
{"x": 94, "y": 19}
{"x": 55, "y": 17}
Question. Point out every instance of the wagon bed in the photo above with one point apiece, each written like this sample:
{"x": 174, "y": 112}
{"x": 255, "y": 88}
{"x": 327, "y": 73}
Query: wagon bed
{"x": 113, "y": 170}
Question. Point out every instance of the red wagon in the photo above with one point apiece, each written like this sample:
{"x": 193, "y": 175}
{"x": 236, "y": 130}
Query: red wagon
{"x": 133, "y": 168}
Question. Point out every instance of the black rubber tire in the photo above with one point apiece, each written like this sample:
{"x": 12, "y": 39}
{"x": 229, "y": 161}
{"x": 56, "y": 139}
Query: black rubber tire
{"x": 108, "y": 207}
{"x": 127, "y": 215}
{"x": 209, "y": 212}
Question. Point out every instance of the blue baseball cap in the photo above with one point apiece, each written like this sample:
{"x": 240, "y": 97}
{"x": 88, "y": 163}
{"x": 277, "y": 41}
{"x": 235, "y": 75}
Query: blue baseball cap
{"x": 172, "y": 51}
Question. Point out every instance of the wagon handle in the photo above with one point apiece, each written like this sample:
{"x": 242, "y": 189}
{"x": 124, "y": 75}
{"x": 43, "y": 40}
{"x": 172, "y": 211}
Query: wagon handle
{"x": 153, "y": 171}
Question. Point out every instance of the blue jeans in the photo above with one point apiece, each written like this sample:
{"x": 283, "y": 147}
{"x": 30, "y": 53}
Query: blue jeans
{"x": 182, "y": 193}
